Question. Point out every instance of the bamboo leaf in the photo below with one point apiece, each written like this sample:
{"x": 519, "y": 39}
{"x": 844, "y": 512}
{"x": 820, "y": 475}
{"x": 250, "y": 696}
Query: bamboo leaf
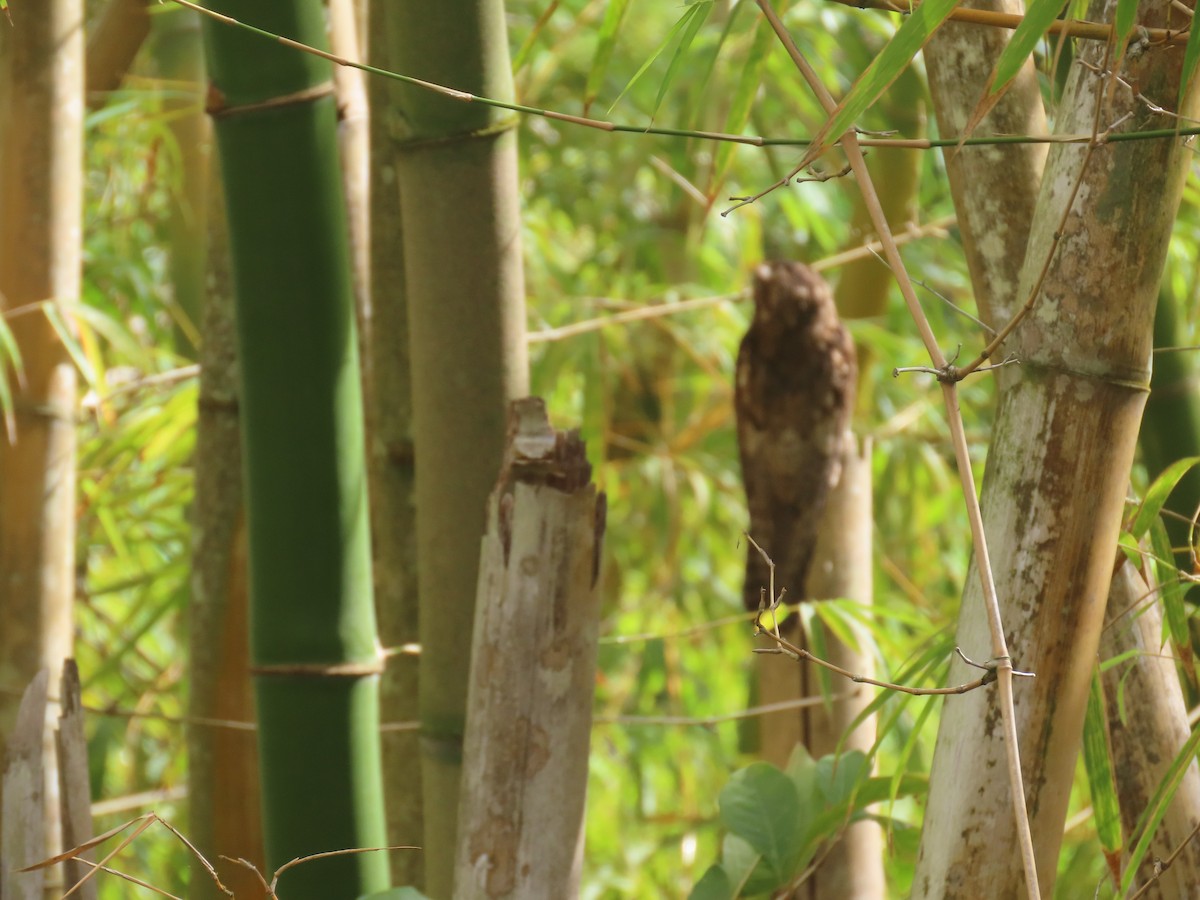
{"x": 1174, "y": 612}
{"x": 908, "y": 40}
{"x": 1190, "y": 56}
{"x": 743, "y": 96}
{"x": 1152, "y": 816}
{"x": 1097, "y": 760}
{"x": 606, "y": 42}
{"x": 678, "y": 28}
{"x": 1123, "y": 23}
{"x": 1039, "y": 16}
{"x": 696, "y": 16}
{"x": 1157, "y": 495}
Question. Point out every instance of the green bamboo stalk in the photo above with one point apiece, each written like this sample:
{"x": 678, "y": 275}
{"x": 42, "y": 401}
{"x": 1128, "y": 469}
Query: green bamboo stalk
{"x": 313, "y": 643}
{"x": 465, "y": 292}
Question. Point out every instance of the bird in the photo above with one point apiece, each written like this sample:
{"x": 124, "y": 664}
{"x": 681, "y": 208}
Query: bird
{"x": 794, "y": 393}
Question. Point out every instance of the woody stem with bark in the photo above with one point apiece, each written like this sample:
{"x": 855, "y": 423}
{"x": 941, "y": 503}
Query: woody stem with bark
{"x": 849, "y": 144}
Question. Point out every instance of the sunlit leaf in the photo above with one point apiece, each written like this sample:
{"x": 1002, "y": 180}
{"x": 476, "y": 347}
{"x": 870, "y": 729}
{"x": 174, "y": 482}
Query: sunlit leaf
{"x": 1035, "y": 24}
{"x": 1190, "y": 55}
{"x": 1097, "y": 759}
{"x": 1152, "y": 815}
{"x": 910, "y": 37}
{"x": 684, "y": 31}
{"x": 606, "y": 42}
{"x": 696, "y": 15}
{"x": 1123, "y": 21}
{"x": 1156, "y": 495}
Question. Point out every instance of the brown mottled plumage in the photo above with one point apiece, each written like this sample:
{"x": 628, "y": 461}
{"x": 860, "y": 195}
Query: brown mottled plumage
{"x": 793, "y": 396}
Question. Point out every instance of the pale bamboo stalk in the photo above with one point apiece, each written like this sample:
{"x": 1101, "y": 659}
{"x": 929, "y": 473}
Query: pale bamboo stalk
{"x": 390, "y": 463}
{"x": 842, "y": 567}
{"x": 533, "y": 670}
{"x": 1062, "y": 447}
{"x": 75, "y": 786}
{"x": 991, "y": 605}
{"x": 1150, "y": 733}
{"x": 994, "y": 188}
{"x": 22, "y": 801}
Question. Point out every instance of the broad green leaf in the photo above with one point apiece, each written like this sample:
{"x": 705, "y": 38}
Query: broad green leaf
{"x": 1190, "y": 56}
{"x": 908, "y": 40}
{"x": 606, "y": 42}
{"x": 1097, "y": 759}
{"x": 685, "y": 22}
{"x": 1157, "y": 495}
{"x": 1128, "y": 545}
{"x": 740, "y": 861}
{"x": 838, "y": 777}
{"x": 760, "y": 805}
{"x": 715, "y": 885}
{"x": 1039, "y": 16}
{"x": 396, "y": 893}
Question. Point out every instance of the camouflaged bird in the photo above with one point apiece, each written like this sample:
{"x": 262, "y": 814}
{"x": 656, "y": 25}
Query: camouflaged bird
{"x": 794, "y": 394}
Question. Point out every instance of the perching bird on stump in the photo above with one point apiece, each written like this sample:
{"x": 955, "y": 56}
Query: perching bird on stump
{"x": 794, "y": 394}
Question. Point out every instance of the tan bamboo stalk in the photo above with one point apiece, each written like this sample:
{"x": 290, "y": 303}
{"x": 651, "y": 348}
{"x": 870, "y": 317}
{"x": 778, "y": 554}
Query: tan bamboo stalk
{"x": 223, "y": 781}
{"x": 529, "y": 710}
{"x": 994, "y": 188}
{"x": 842, "y": 567}
{"x": 1062, "y": 447}
{"x": 390, "y": 463}
{"x": 464, "y": 286}
{"x": 180, "y": 58}
{"x": 1153, "y": 729}
{"x": 41, "y": 210}
{"x": 114, "y": 42}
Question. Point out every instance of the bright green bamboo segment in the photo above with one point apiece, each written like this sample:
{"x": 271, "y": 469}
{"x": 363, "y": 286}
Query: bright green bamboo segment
{"x": 311, "y": 598}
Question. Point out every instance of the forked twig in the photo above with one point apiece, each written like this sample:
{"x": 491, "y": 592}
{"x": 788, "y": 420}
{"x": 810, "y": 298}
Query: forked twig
{"x": 787, "y": 648}
{"x": 1161, "y": 865}
{"x": 145, "y": 821}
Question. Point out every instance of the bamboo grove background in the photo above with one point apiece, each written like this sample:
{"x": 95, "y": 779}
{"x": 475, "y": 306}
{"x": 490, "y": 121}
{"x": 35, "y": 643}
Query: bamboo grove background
{"x": 611, "y": 223}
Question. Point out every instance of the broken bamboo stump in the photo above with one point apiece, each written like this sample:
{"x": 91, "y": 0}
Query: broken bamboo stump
{"x": 529, "y": 708}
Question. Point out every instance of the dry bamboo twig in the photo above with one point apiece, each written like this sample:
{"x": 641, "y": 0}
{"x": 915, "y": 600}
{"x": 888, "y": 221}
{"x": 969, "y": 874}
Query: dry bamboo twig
{"x": 1076, "y": 28}
{"x": 1161, "y": 865}
{"x": 143, "y": 822}
{"x": 750, "y": 140}
{"x": 656, "y": 310}
{"x": 1000, "y": 654}
{"x": 787, "y": 648}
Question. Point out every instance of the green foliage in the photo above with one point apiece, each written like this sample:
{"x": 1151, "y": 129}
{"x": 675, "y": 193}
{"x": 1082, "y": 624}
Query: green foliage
{"x": 777, "y": 821}
{"x": 885, "y": 68}
{"x": 1097, "y": 757}
{"x": 613, "y": 223}
{"x": 1035, "y": 24}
